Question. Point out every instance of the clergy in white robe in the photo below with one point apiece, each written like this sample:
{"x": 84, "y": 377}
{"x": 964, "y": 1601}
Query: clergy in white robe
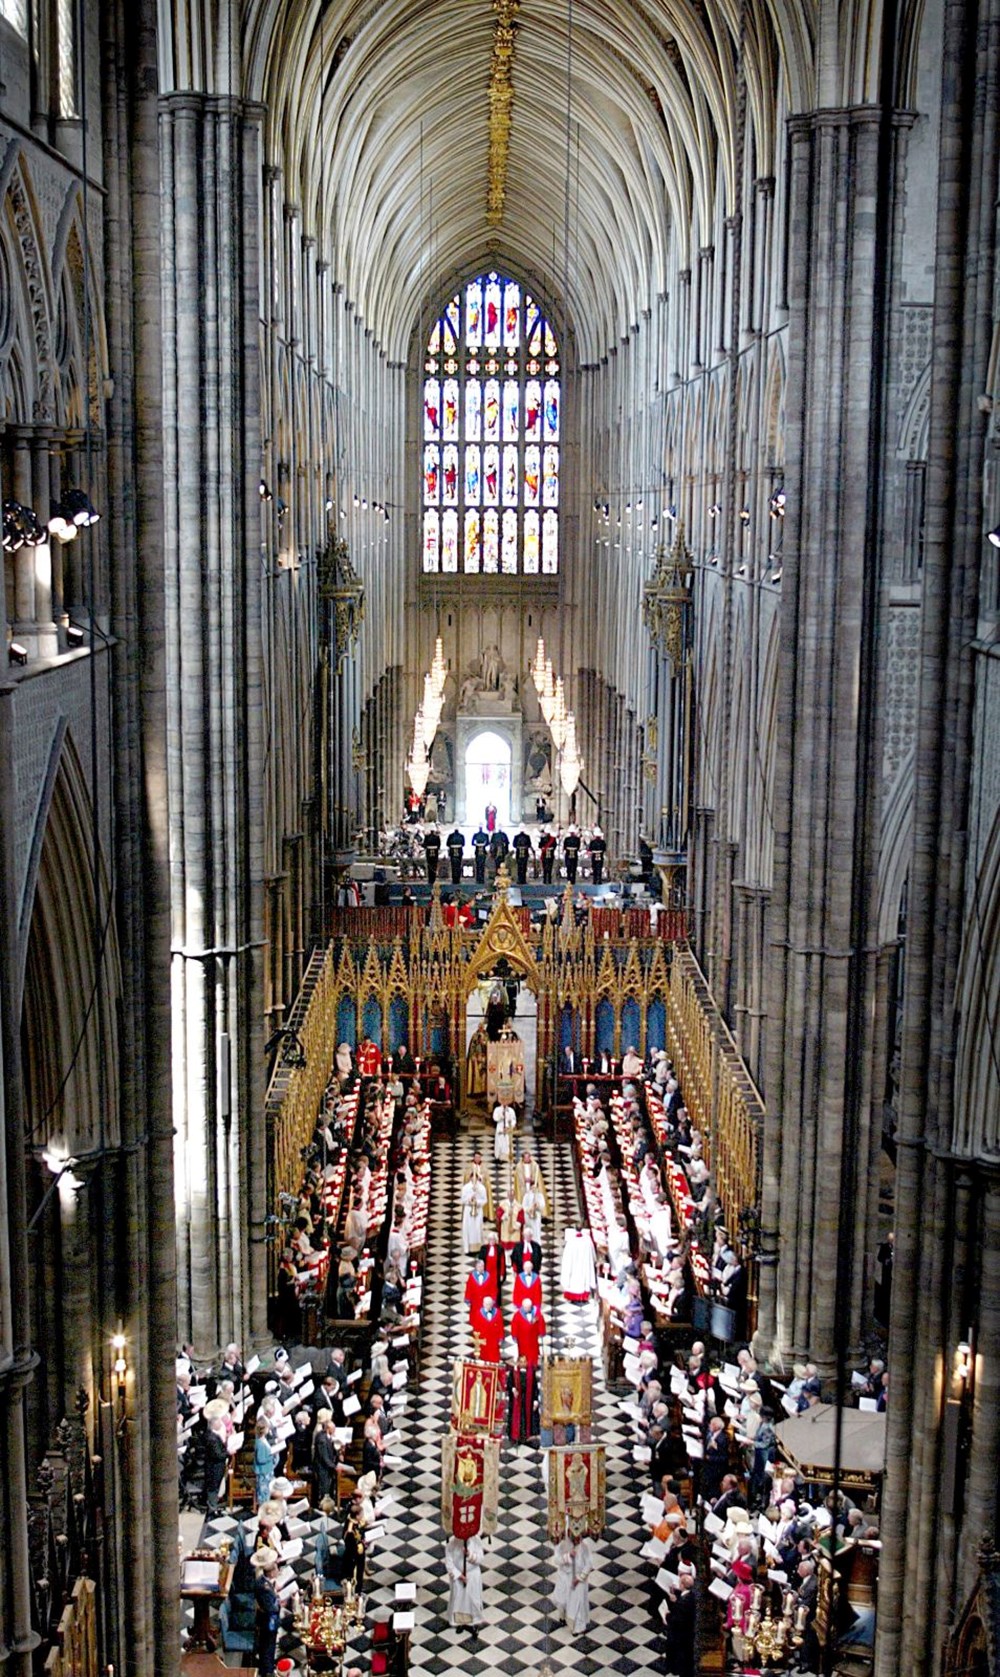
{"x": 464, "y": 1566}
{"x": 533, "y": 1206}
{"x": 505, "y": 1123}
{"x": 528, "y": 1174}
{"x": 473, "y": 1207}
{"x": 571, "y": 1595}
{"x": 577, "y": 1270}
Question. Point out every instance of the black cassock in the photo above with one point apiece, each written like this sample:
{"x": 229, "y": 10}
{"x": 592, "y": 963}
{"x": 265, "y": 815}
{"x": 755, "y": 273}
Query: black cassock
{"x": 522, "y": 1411}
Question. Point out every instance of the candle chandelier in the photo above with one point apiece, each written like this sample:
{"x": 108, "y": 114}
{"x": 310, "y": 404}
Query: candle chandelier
{"x": 560, "y": 721}
{"x": 426, "y": 721}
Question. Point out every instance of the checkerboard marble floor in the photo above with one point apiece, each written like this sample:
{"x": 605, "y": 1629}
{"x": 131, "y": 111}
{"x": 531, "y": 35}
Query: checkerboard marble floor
{"x": 518, "y": 1573}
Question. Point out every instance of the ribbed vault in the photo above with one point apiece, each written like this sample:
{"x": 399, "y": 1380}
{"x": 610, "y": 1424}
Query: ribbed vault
{"x": 377, "y": 115}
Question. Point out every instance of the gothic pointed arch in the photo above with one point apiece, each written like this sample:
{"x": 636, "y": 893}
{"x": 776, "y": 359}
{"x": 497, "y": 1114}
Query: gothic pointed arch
{"x": 71, "y": 975}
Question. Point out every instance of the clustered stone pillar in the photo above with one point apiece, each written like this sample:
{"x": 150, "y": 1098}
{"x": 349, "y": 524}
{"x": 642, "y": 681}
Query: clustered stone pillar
{"x": 934, "y": 1227}
{"x": 821, "y": 993}
{"x": 18, "y": 1359}
{"x": 211, "y": 166}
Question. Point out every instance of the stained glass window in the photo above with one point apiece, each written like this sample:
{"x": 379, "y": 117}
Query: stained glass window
{"x": 491, "y": 435}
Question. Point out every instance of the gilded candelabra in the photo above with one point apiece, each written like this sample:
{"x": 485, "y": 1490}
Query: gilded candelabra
{"x": 758, "y": 1635}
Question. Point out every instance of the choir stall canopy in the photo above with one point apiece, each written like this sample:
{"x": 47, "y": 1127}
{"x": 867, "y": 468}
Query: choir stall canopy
{"x": 502, "y": 947}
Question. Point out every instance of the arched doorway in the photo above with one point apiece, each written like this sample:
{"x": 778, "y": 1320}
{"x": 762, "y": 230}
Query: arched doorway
{"x": 488, "y": 777}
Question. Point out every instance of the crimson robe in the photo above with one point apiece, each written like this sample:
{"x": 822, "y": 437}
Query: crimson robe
{"x": 488, "y": 1332}
{"x": 527, "y": 1331}
{"x": 523, "y": 1291}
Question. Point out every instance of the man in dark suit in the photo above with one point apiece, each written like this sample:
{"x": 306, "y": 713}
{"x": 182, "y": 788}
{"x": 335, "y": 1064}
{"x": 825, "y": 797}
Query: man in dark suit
{"x": 432, "y": 850}
{"x": 455, "y": 846}
{"x": 326, "y": 1456}
{"x": 571, "y": 853}
{"x": 597, "y": 847}
{"x": 328, "y": 1395}
{"x": 731, "y": 1496}
{"x": 680, "y": 1637}
{"x": 403, "y": 1061}
{"x": 480, "y": 845}
{"x": 525, "y": 1249}
{"x": 523, "y": 848}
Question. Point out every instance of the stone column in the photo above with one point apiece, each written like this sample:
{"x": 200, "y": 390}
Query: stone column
{"x": 910, "y": 1628}
{"x": 19, "y": 1359}
{"x": 212, "y": 187}
{"x": 821, "y": 988}
{"x": 25, "y": 615}
{"x": 48, "y": 644}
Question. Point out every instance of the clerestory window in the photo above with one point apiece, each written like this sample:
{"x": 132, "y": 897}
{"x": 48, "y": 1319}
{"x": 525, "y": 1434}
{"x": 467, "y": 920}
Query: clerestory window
{"x": 491, "y": 426}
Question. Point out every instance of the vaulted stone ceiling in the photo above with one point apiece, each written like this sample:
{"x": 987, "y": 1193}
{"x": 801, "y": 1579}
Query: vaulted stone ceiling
{"x": 379, "y": 116}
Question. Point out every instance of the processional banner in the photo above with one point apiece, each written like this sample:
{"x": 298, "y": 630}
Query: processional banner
{"x": 477, "y": 1398}
{"x": 470, "y": 1477}
{"x": 576, "y": 1491}
{"x": 567, "y": 1391}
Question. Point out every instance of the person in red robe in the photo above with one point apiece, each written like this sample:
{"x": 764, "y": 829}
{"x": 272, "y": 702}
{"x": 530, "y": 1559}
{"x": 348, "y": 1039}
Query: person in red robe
{"x": 495, "y": 1259}
{"x": 527, "y": 1285}
{"x": 369, "y": 1058}
{"x": 527, "y": 1329}
{"x": 477, "y": 1288}
{"x": 487, "y": 1329}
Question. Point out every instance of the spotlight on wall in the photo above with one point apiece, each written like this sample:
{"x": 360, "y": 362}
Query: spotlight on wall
{"x": 61, "y": 526}
{"x": 671, "y": 511}
{"x": 776, "y": 505}
{"x": 16, "y": 653}
{"x": 776, "y": 574}
{"x": 75, "y": 636}
{"x": 21, "y": 527}
{"x": 744, "y": 515}
{"x": 741, "y": 570}
{"x": 78, "y": 506}
{"x": 714, "y": 510}
{"x": 994, "y": 537}
{"x": 265, "y": 493}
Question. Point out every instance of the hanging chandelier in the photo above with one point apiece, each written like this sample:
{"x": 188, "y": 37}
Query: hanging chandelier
{"x": 431, "y": 708}
{"x": 570, "y": 762}
{"x": 427, "y": 720}
{"x": 560, "y": 721}
{"x": 557, "y": 721}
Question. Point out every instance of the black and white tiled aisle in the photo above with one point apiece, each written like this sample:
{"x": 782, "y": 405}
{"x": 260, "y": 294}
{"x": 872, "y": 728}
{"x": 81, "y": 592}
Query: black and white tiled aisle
{"x": 518, "y": 1573}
